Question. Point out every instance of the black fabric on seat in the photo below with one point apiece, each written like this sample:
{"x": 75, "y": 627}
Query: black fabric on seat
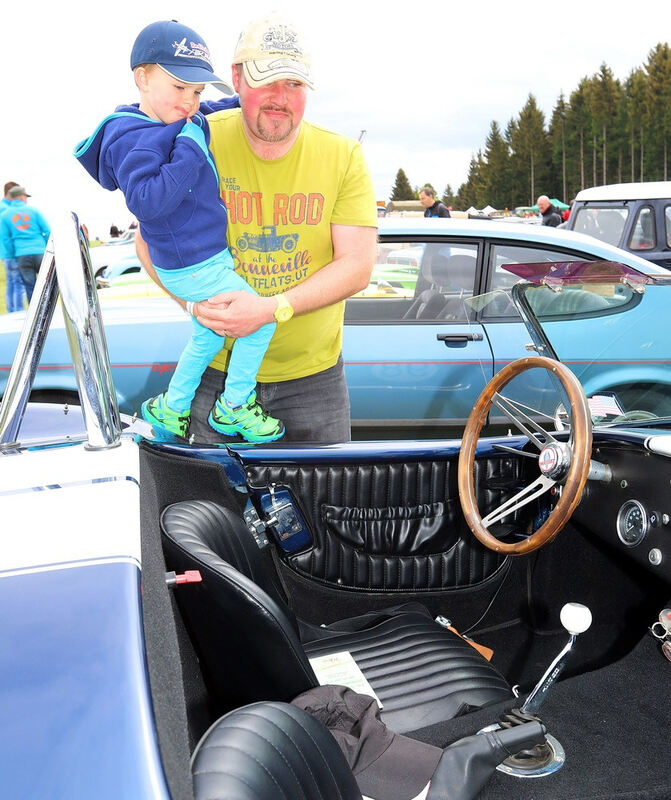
{"x": 249, "y": 642}
{"x": 270, "y": 751}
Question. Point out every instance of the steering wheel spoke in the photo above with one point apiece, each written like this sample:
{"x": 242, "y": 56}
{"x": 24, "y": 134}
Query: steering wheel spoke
{"x": 541, "y": 485}
{"x": 522, "y": 421}
{"x": 559, "y": 463}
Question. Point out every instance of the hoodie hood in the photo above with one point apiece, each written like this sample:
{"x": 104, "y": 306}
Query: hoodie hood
{"x": 90, "y": 152}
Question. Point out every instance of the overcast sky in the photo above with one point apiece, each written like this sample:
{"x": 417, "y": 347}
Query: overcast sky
{"x": 424, "y": 79}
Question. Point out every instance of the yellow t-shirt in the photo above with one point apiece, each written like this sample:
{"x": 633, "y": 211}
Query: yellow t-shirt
{"x": 279, "y": 230}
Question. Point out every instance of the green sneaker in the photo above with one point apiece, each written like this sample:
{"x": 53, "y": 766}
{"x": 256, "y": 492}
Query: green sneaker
{"x": 249, "y": 420}
{"x": 161, "y": 416}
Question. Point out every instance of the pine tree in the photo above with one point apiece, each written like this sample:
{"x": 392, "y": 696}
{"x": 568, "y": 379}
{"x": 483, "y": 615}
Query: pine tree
{"x": 402, "y": 189}
{"x": 531, "y": 153}
{"x": 658, "y": 68}
{"x": 449, "y": 198}
{"x": 496, "y": 170}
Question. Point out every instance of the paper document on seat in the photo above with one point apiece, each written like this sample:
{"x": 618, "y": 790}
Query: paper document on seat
{"x": 340, "y": 669}
{"x": 421, "y": 796}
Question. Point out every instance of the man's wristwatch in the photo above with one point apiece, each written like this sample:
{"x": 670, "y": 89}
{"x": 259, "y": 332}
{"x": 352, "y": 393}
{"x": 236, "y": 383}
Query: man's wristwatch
{"x": 284, "y": 310}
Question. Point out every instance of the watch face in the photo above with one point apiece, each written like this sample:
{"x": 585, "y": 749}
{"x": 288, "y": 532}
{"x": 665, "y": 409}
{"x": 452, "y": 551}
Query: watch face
{"x": 283, "y": 314}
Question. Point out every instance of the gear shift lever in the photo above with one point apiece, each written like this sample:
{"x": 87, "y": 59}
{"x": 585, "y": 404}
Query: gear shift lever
{"x": 549, "y": 757}
{"x": 576, "y": 618}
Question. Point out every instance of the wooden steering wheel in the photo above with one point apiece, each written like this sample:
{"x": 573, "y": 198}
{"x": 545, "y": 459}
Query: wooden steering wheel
{"x": 560, "y": 463}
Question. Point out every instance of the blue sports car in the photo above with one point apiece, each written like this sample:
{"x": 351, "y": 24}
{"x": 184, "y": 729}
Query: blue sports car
{"x": 448, "y": 619}
{"x": 419, "y": 344}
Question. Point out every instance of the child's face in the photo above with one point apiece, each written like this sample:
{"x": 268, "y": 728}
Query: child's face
{"x": 165, "y": 98}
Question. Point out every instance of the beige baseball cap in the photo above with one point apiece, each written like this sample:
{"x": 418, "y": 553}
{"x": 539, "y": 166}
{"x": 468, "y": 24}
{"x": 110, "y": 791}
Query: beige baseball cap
{"x": 272, "y": 49}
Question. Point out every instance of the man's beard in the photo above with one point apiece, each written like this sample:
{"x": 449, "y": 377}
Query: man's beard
{"x": 274, "y": 131}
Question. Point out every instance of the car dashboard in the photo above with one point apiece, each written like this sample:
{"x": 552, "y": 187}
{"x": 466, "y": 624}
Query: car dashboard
{"x": 631, "y": 510}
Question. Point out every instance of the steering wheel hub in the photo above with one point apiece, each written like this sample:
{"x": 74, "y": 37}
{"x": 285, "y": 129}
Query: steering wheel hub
{"x": 554, "y": 460}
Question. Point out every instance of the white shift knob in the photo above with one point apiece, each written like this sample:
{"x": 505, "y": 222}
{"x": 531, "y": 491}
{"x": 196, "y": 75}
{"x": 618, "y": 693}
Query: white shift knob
{"x": 576, "y": 618}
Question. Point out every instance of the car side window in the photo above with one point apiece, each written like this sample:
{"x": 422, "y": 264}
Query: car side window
{"x": 500, "y": 280}
{"x": 643, "y": 235}
{"x": 418, "y": 282}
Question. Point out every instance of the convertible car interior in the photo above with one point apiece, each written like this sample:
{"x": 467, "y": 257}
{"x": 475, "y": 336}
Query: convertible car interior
{"x": 501, "y": 604}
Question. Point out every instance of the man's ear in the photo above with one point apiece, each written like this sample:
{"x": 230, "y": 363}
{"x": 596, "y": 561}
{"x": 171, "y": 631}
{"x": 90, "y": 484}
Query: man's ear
{"x": 235, "y": 77}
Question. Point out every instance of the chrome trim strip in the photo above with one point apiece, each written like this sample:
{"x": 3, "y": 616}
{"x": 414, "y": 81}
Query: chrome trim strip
{"x": 107, "y": 479}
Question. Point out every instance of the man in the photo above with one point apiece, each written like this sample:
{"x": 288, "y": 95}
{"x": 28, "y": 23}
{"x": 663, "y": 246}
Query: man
{"x": 302, "y": 231}
{"x": 432, "y": 207}
{"x": 15, "y": 292}
{"x": 550, "y": 214}
{"x": 24, "y": 233}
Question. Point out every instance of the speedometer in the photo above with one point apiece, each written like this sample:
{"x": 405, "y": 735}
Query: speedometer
{"x": 632, "y": 523}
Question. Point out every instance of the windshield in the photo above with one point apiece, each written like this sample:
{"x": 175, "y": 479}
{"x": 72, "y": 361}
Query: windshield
{"x": 606, "y": 322}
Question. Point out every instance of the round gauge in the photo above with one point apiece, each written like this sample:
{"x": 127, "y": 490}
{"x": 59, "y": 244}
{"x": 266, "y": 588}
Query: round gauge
{"x": 632, "y": 523}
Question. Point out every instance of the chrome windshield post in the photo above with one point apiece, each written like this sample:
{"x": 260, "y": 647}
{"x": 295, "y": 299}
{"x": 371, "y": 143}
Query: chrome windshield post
{"x": 66, "y": 269}
{"x": 86, "y": 335}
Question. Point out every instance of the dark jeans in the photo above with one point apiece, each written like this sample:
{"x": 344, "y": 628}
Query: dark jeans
{"x": 29, "y": 267}
{"x": 313, "y": 409}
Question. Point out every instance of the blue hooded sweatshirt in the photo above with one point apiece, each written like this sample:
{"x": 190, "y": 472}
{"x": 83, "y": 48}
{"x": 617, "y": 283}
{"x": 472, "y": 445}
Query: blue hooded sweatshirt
{"x": 168, "y": 179}
{"x": 23, "y": 230}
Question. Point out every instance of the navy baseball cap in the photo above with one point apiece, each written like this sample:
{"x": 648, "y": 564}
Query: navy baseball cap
{"x": 179, "y": 50}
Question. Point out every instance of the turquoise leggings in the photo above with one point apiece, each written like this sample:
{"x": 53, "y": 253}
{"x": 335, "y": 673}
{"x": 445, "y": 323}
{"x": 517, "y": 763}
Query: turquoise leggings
{"x": 201, "y": 282}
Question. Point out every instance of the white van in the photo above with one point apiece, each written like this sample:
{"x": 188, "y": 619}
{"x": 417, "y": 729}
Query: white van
{"x": 633, "y": 216}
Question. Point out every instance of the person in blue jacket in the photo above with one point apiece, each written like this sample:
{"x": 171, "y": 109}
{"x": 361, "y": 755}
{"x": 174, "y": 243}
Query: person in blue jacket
{"x": 15, "y": 291}
{"x": 157, "y": 153}
{"x": 24, "y": 233}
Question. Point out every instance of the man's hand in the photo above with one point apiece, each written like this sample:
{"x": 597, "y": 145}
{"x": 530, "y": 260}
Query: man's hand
{"x": 236, "y": 313}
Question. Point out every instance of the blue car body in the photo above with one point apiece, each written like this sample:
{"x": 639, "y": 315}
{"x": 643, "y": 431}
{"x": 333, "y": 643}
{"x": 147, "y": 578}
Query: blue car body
{"x": 105, "y": 690}
{"x": 403, "y": 372}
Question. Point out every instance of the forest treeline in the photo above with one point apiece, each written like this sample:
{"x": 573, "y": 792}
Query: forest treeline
{"x": 606, "y": 131}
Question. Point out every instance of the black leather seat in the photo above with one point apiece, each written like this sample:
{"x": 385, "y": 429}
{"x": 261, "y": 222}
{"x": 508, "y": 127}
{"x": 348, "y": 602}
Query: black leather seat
{"x": 270, "y": 751}
{"x": 252, "y": 647}
{"x": 276, "y": 751}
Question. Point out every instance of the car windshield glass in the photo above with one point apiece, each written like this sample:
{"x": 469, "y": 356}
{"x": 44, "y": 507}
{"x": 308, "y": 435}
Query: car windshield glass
{"x": 606, "y": 224}
{"x": 603, "y": 320}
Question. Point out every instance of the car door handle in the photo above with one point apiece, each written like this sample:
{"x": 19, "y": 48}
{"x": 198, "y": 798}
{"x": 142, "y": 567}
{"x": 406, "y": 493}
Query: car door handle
{"x": 458, "y": 338}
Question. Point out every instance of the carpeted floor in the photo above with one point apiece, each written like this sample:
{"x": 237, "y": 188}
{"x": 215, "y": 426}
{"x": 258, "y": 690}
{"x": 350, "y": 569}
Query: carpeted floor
{"x": 613, "y": 724}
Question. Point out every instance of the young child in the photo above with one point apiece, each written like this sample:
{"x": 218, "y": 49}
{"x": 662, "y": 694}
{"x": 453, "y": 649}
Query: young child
{"x": 157, "y": 153}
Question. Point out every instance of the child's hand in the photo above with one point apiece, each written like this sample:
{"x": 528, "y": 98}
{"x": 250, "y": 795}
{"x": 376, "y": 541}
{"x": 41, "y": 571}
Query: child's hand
{"x": 194, "y": 132}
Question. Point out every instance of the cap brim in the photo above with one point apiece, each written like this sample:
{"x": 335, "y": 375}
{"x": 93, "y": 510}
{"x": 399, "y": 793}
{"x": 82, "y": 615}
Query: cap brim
{"x": 402, "y": 771}
{"x": 191, "y": 74}
{"x": 261, "y": 73}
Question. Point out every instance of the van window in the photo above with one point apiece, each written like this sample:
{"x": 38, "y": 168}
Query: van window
{"x": 606, "y": 224}
{"x": 644, "y": 235}
{"x": 667, "y": 225}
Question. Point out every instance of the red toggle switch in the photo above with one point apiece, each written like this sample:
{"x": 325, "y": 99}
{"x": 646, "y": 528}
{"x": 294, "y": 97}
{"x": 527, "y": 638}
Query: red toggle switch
{"x": 190, "y": 576}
